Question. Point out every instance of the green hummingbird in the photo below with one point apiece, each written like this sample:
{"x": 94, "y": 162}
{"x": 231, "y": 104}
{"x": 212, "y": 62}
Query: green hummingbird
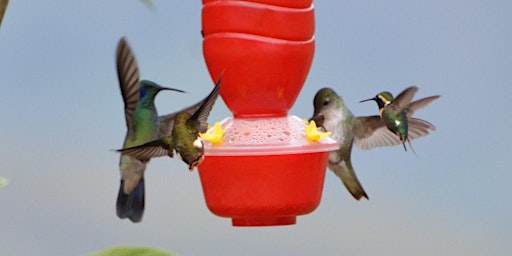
{"x": 396, "y": 114}
{"x": 367, "y": 132}
{"x": 184, "y": 136}
{"x": 143, "y": 125}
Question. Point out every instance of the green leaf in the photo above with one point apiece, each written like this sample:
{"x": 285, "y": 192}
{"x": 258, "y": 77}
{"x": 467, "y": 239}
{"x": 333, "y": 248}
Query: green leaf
{"x": 3, "y": 182}
{"x": 132, "y": 251}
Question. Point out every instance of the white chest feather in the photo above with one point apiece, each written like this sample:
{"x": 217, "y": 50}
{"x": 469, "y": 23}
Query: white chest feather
{"x": 333, "y": 123}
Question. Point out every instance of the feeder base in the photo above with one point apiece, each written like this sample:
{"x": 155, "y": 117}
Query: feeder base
{"x": 264, "y": 221}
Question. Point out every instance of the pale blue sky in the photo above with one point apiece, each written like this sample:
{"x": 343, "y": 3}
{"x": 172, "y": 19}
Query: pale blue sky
{"x": 64, "y": 113}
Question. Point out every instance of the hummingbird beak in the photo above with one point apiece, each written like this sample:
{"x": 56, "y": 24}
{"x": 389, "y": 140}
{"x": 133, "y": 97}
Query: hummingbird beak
{"x": 368, "y": 100}
{"x": 169, "y": 89}
{"x": 196, "y": 162}
{"x": 318, "y": 118}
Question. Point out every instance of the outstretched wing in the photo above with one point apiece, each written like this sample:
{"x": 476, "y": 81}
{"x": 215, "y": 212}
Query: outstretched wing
{"x": 201, "y": 109}
{"x": 128, "y": 75}
{"x": 148, "y": 150}
{"x": 419, "y": 127}
{"x": 415, "y": 105}
{"x": 404, "y": 98}
{"x": 3, "y": 7}
{"x": 167, "y": 121}
{"x": 200, "y": 117}
{"x": 370, "y": 132}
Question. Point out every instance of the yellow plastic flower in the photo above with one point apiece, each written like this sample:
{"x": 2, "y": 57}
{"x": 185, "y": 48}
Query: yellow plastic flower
{"x": 216, "y": 135}
{"x": 312, "y": 132}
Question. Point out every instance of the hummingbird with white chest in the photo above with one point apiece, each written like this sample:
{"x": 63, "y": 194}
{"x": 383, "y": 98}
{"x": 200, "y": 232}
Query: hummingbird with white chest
{"x": 184, "y": 134}
{"x": 367, "y": 132}
{"x": 142, "y": 124}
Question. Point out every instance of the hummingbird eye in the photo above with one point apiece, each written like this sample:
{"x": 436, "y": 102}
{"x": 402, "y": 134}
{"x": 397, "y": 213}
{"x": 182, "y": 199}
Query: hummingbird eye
{"x": 326, "y": 102}
{"x": 142, "y": 92}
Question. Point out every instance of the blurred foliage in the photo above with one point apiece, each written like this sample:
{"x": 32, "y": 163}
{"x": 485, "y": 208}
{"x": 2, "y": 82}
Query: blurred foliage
{"x": 132, "y": 251}
{"x": 3, "y": 182}
{"x": 148, "y": 3}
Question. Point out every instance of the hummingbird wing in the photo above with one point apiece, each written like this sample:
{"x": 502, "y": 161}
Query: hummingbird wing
{"x": 167, "y": 121}
{"x": 415, "y": 105}
{"x": 371, "y": 132}
{"x": 419, "y": 127}
{"x": 149, "y": 150}
{"x": 3, "y": 7}
{"x": 199, "y": 118}
{"x": 128, "y": 75}
{"x": 404, "y": 98}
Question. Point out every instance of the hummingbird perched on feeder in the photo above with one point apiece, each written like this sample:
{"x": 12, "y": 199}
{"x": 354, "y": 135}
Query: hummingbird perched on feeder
{"x": 396, "y": 113}
{"x": 143, "y": 125}
{"x": 367, "y": 132}
{"x": 184, "y": 136}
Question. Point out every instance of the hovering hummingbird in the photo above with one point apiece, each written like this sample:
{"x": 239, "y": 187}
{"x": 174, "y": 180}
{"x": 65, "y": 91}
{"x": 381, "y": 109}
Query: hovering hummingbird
{"x": 396, "y": 113}
{"x": 143, "y": 125}
{"x": 367, "y": 132}
{"x": 184, "y": 137}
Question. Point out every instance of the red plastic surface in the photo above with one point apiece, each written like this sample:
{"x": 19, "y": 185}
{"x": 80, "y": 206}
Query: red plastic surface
{"x": 258, "y": 19}
{"x": 283, "y": 3}
{"x": 263, "y": 190}
{"x": 265, "y": 49}
{"x": 262, "y": 76}
{"x": 265, "y": 52}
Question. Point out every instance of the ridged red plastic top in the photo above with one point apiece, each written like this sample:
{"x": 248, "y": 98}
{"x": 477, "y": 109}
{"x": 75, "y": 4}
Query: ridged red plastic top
{"x": 265, "y": 49}
{"x": 283, "y": 3}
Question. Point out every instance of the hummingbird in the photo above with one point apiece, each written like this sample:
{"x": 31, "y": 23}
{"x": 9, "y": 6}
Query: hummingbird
{"x": 184, "y": 136}
{"x": 142, "y": 124}
{"x": 367, "y": 132}
{"x": 396, "y": 113}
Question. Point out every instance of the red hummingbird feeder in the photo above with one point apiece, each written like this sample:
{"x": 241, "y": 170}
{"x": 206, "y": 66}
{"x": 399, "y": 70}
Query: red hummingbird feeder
{"x": 265, "y": 171}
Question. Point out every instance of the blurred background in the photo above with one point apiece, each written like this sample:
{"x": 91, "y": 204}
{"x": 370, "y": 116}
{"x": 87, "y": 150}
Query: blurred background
{"x": 63, "y": 113}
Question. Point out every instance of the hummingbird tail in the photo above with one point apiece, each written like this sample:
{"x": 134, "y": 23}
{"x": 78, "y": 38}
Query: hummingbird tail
{"x": 345, "y": 172}
{"x": 410, "y": 146}
{"x": 131, "y": 206}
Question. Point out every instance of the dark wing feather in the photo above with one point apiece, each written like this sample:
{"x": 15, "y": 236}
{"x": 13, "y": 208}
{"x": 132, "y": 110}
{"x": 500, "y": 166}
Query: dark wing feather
{"x": 147, "y": 151}
{"x": 404, "y": 98}
{"x": 370, "y": 132}
{"x": 199, "y": 118}
{"x": 419, "y": 127}
{"x": 3, "y": 7}
{"x": 415, "y": 105}
{"x": 128, "y": 75}
{"x": 167, "y": 121}
{"x": 201, "y": 110}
